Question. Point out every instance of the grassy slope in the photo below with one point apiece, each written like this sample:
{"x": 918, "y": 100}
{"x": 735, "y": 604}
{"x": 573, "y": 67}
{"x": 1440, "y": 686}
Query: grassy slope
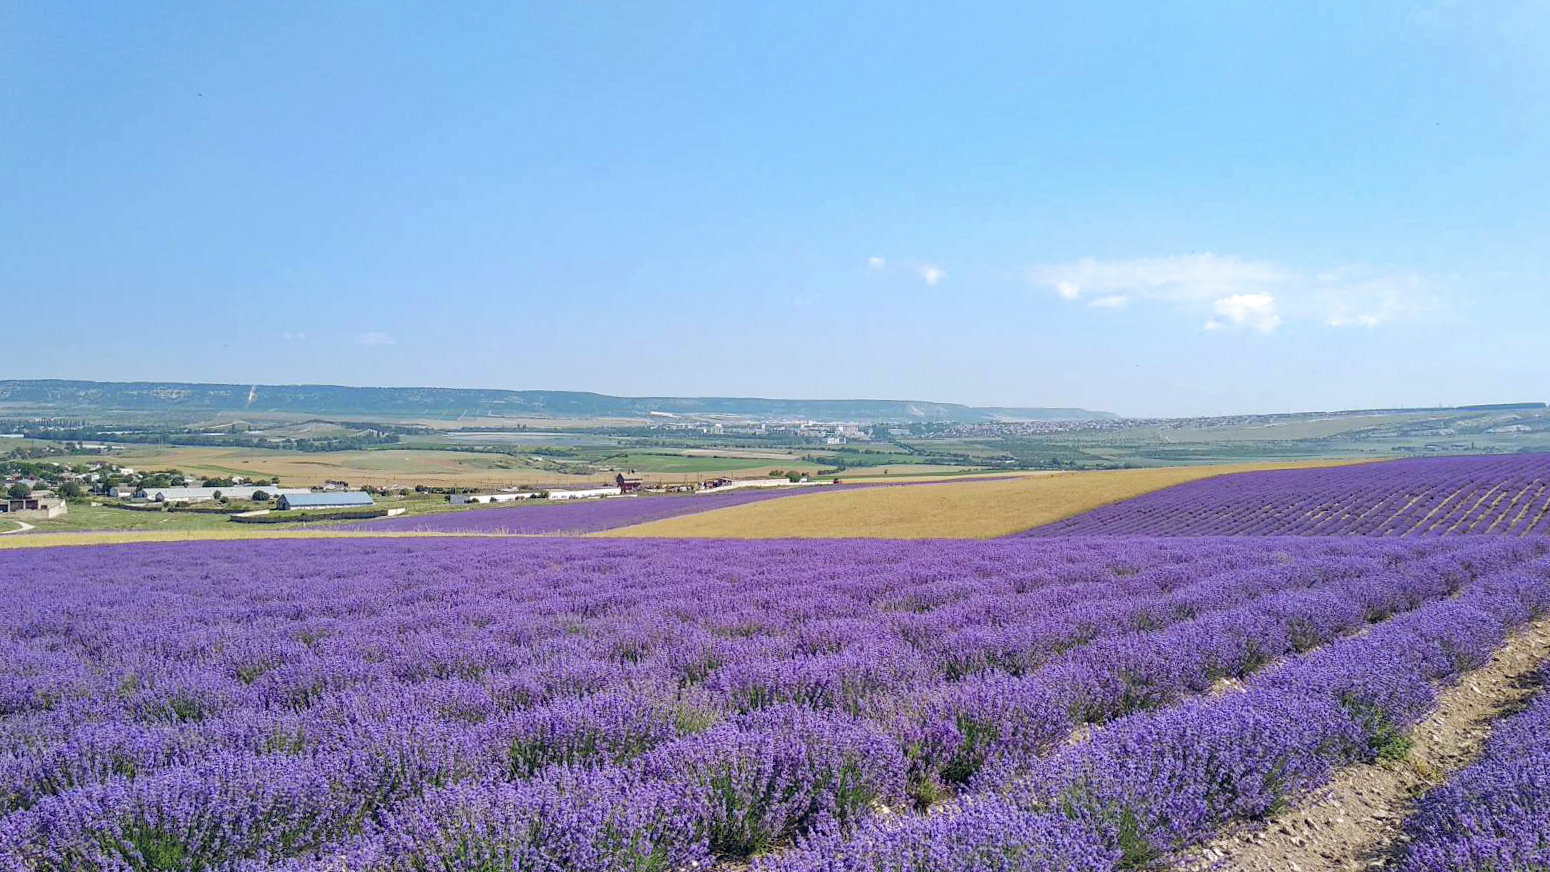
{"x": 678, "y": 463}
{"x": 967, "y": 510}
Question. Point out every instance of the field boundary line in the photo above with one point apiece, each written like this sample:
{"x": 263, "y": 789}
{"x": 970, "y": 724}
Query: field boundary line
{"x": 1528, "y": 506}
{"x": 1354, "y": 822}
{"x": 1425, "y": 524}
{"x": 105, "y": 538}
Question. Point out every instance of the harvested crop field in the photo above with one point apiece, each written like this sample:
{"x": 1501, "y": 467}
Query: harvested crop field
{"x": 956, "y": 510}
{"x": 587, "y": 704}
{"x": 1433, "y": 496}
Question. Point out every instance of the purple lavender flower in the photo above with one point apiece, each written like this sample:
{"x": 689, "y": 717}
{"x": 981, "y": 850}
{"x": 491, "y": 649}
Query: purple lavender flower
{"x": 1432, "y": 496}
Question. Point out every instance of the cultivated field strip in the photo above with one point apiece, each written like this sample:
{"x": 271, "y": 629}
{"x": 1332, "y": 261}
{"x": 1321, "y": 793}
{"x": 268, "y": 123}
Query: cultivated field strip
{"x": 607, "y": 705}
{"x": 1494, "y": 815}
{"x": 1357, "y": 822}
{"x": 951, "y": 510}
{"x": 1156, "y": 784}
{"x": 1497, "y": 495}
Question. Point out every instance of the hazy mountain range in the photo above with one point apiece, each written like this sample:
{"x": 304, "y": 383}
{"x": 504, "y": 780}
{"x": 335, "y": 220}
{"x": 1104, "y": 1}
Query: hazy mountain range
{"x": 64, "y": 397}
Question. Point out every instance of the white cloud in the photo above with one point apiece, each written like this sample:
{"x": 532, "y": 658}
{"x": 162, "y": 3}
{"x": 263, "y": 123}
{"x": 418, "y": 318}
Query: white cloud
{"x": 373, "y": 337}
{"x": 1246, "y": 294}
{"x": 1347, "y": 301}
{"x": 1254, "y": 311}
{"x": 293, "y": 336}
{"x": 931, "y": 274}
{"x": 875, "y": 264}
{"x": 1182, "y": 277}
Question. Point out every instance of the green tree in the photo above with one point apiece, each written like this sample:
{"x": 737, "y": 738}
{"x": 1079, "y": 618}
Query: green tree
{"x": 71, "y": 491}
{"x": 260, "y": 496}
{"x": 19, "y": 491}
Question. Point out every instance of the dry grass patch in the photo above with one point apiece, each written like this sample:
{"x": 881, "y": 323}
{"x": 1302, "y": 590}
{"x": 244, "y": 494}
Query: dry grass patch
{"x": 130, "y": 537}
{"x": 959, "y": 510}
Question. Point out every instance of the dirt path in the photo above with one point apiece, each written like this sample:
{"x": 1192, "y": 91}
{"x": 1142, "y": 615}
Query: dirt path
{"x": 21, "y": 526}
{"x": 1354, "y": 822}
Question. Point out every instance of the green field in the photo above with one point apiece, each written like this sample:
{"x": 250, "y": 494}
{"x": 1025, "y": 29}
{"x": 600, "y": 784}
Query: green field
{"x": 84, "y": 516}
{"x": 696, "y": 464}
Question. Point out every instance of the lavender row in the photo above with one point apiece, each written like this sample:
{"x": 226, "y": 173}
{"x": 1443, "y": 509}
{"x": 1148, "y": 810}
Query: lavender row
{"x": 385, "y": 703}
{"x": 1154, "y": 784}
{"x": 749, "y": 785}
{"x": 994, "y": 728}
{"x": 165, "y": 710}
{"x": 1495, "y": 814}
{"x": 1497, "y": 495}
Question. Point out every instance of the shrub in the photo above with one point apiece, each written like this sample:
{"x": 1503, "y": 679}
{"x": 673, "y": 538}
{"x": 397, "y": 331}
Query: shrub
{"x": 766, "y": 778}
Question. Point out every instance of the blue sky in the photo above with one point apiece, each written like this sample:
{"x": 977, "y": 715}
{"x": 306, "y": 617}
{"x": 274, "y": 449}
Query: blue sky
{"x": 1151, "y": 208}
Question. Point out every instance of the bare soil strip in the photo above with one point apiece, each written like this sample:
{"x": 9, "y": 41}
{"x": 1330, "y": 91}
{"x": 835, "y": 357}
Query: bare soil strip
{"x": 1356, "y": 821}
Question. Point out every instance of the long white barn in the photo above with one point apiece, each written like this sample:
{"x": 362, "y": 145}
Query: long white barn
{"x": 204, "y": 494}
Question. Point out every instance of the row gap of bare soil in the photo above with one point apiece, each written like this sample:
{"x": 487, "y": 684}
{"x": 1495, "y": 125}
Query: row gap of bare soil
{"x": 1357, "y": 821}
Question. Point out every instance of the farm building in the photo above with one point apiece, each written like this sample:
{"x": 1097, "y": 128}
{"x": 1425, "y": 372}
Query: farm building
{"x": 628, "y": 485}
{"x": 720, "y": 485}
{"x": 330, "y": 500}
{"x": 464, "y": 499}
{"x": 205, "y": 494}
{"x": 34, "y": 507}
{"x": 588, "y": 493}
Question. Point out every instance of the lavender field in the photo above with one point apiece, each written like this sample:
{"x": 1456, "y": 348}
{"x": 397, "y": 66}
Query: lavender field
{"x": 1434, "y": 496}
{"x": 575, "y": 517}
{"x": 1495, "y": 814}
{"x": 560, "y": 704}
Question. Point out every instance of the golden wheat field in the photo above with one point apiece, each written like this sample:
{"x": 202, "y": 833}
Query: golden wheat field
{"x": 966, "y": 510}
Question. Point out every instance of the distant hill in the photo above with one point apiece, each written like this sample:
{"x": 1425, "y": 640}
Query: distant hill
{"x": 61, "y": 397}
